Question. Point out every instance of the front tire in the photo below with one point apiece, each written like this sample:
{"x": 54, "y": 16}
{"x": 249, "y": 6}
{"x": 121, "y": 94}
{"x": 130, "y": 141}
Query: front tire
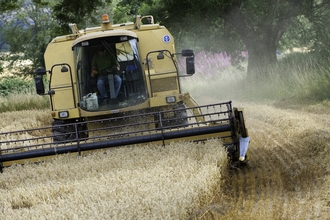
{"x": 62, "y": 132}
{"x": 179, "y": 119}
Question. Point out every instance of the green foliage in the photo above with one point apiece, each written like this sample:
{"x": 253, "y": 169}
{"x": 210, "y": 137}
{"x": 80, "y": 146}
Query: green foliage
{"x": 18, "y": 94}
{"x": 7, "y": 5}
{"x": 82, "y": 12}
{"x": 15, "y": 85}
{"x": 320, "y": 19}
{"x": 28, "y": 32}
{"x": 127, "y": 10}
{"x": 310, "y": 30}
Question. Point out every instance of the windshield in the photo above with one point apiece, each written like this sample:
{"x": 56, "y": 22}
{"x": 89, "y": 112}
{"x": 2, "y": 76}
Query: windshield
{"x": 109, "y": 73}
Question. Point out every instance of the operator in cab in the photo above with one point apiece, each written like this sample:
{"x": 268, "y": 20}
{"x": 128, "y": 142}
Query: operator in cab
{"x": 105, "y": 65}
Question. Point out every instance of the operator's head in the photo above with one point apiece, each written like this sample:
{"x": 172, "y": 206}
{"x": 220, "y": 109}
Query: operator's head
{"x": 102, "y": 50}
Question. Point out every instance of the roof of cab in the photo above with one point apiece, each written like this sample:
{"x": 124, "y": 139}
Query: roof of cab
{"x": 101, "y": 34}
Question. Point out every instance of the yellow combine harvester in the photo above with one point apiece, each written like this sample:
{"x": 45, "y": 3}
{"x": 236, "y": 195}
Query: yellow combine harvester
{"x": 133, "y": 96}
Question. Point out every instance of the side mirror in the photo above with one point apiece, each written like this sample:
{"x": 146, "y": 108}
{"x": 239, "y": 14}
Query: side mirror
{"x": 190, "y": 65}
{"x": 40, "y": 71}
{"x": 40, "y": 88}
{"x": 64, "y": 69}
{"x": 187, "y": 53}
{"x": 190, "y": 60}
{"x": 160, "y": 56}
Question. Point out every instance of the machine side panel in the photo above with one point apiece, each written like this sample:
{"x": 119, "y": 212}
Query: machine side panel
{"x": 63, "y": 83}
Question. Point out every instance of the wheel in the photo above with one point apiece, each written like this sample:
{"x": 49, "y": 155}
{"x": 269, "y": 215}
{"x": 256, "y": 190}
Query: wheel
{"x": 179, "y": 119}
{"x": 181, "y": 115}
{"x": 64, "y": 132}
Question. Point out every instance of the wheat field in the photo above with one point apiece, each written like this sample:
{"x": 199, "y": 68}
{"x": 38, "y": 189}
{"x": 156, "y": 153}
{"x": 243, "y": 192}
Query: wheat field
{"x": 287, "y": 176}
{"x": 288, "y": 173}
{"x": 133, "y": 182}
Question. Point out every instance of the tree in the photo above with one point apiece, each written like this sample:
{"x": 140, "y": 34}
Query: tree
{"x": 5, "y": 5}
{"x": 234, "y": 25}
{"x": 8, "y": 5}
{"x": 82, "y": 12}
{"x": 318, "y": 29}
{"x": 261, "y": 25}
{"x": 28, "y": 31}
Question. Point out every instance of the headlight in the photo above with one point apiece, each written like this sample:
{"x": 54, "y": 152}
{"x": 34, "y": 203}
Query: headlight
{"x": 63, "y": 114}
{"x": 170, "y": 99}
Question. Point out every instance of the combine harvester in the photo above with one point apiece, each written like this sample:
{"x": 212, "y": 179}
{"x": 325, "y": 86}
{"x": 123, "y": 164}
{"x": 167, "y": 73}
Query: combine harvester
{"x": 148, "y": 105}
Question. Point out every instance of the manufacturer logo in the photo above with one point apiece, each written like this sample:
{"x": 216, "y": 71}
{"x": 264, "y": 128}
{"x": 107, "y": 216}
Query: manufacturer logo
{"x": 166, "y": 38}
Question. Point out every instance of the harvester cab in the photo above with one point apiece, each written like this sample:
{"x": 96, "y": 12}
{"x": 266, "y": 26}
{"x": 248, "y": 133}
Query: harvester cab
{"x": 132, "y": 96}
